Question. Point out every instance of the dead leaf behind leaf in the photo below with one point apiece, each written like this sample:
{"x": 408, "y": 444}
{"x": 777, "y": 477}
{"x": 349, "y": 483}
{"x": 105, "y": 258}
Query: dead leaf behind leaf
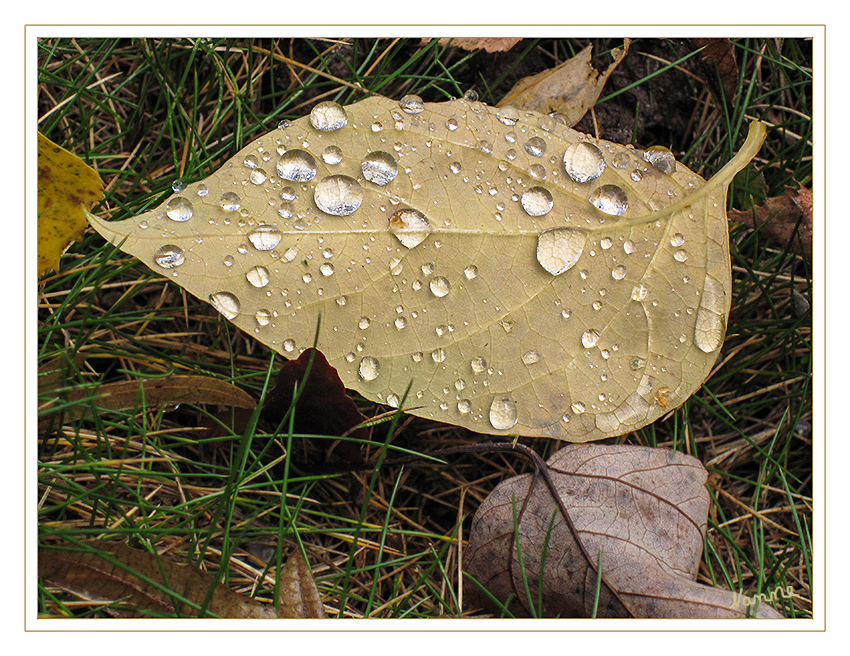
{"x": 642, "y": 511}
{"x": 570, "y": 89}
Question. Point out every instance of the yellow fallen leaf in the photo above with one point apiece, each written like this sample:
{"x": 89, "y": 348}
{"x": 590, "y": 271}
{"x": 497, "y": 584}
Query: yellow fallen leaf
{"x": 65, "y": 185}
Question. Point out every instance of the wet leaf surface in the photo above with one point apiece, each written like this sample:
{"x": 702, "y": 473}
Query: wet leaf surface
{"x": 635, "y": 513}
{"x": 519, "y": 276}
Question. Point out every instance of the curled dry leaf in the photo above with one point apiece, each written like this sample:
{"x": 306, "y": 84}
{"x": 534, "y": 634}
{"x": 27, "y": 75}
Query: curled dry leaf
{"x": 146, "y": 584}
{"x": 570, "y": 89}
{"x": 640, "y": 512}
{"x": 515, "y": 275}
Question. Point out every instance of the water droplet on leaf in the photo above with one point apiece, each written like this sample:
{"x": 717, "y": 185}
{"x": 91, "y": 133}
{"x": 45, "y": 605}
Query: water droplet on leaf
{"x": 328, "y": 115}
{"x": 503, "y": 413}
{"x": 339, "y": 195}
{"x": 584, "y": 161}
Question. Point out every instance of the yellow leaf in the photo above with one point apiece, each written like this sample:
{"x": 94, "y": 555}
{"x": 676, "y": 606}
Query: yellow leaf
{"x": 517, "y": 276}
{"x": 66, "y": 185}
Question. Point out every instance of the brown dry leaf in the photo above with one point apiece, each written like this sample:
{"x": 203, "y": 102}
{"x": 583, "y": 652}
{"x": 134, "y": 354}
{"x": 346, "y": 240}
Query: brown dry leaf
{"x": 488, "y": 44}
{"x": 129, "y": 395}
{"x": 570, "y": 89}
{"x": 780, "y": 217}
{"x": 66, "y": 185}
{"x": 149, "y": 585}
{"x": 513, "y": 274}
{"x": 718, "y": 59}
{"x": 642, "y": 511}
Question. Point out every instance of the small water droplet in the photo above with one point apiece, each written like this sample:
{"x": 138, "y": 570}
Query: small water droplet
{"x": 297, "y": 165}
{"x": 369, "y": 368}
{"x": 508, "y": 115}
{"x": 677, "y": 240}
{"x": 451, "y": 125}
{"x": 680, "y": 255}
{"x": 639, "y": 292}
{"x": 412, "y": 104}
{"x": 470, "y": 96}
{"x": 327, "y": 269}
{"x": 438, "y": 355}
{"x": 503, "y": 413}
{"x": 379, "y": 167}
{"x": 536, "y": 147}
{"x": 558, "y": 249}
{"x": 179, "y": 209}
{"x": 410, "y": 227}
{"x": 485, "y": 145}
{"x": 618, "y": 272}
{"x": 629, "y": 247}
{"x": 263, "y": 317}
{"x": 364, "y": 323}
{"x": 169, "y": 256}
{"x": 537, "y": 201}
{"x": 226, "y": 303}
{"x": 478, "y": 364}
{"x": 258, "y": 276}
{"x": 471, "y": 272}
{"x": 589, "y": 338}
{"x": 400, "y": 322}
{"x": 577, "y": 408}
{"x": 583, "y": 161}
{"x": 439, "y": 286}
{"x": 606, "y": 243}
{"x": 288, "y": 345}
{"x": 265, "y": 237}
{"x": 610, "y": 199}
{"x": 339, "y": 195}
{"x": 328, "y": 115}
{"x": 530, "y": 357}
{"x": 621, "y": 160}
{"x": 455, "y": 167}
{"x": 177, "y": 186}
{"x": 464, "y": 406}
{"x": 203, "y": 190}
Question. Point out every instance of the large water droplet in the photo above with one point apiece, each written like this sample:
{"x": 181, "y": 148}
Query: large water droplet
{"x": 265, "y": 237}
{"x": 179, "y": 209}
{"x": 508, "y": 115}
{"x": 618, "y": 272}
{"x": 412, "y": 104}
{"x": 410, "y": 227}
{"x": 438, "y": 355}
{"x": 537, "y": 201}
{"x": 379, "y": 167}
{"x": 339, "y": 195}
{"x": 169, "y": 256}
{"x": 661, "y": 158}
{"x": 369, "y": 368}
{"x": 610, "y": 199}
{"x": 258, "y": 276}
{"x": 332, "y": 155}
{"x": 503, "y": 413}
{"x": 558, "y": 249}
{"x": 328, "y": 115}
{"x": 226, "y": 303}
{"x": 711, "y": 324}
{"x": 583, "y": 161}
{"x": 439, "y": 286}
{"x": 297, "y": 165}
